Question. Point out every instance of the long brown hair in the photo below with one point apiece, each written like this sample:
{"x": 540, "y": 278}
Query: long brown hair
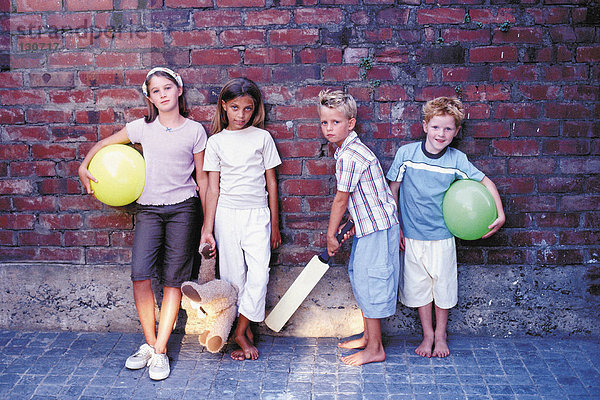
{"x": 233, "y": 89}
{"x": 152, "y": 110}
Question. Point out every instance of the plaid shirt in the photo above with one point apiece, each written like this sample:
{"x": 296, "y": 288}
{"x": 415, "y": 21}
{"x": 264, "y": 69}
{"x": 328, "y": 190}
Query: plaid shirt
{"x": 359, "y": 173}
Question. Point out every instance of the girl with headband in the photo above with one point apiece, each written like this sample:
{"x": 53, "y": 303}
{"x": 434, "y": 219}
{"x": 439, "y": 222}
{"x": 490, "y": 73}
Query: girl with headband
{"x": 168, "y": 214}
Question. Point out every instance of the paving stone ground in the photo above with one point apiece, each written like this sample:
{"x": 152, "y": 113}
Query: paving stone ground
{"x": 83, "y": 365}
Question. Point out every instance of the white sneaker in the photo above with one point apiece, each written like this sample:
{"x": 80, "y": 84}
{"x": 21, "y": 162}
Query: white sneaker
{"x": 159, "y": 367}
{"x": 140, "y": 358}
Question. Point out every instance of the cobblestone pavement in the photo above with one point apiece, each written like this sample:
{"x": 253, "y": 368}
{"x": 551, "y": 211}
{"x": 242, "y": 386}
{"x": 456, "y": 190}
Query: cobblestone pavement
{"x": 71, "y": 365}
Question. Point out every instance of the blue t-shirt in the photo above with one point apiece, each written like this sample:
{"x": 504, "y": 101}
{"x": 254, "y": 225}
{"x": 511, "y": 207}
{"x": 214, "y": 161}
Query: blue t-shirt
{"x": 425, "y": 178}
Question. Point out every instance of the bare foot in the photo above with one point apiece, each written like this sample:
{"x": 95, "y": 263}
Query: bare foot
{"x": 359, "y": 343}
{"x": 250, "y": 334}
{"x": 441, "y": 347}
{"x": 424, "y": 349}
{"x": 364, "y": 357}
{"x": 247, "y": 349}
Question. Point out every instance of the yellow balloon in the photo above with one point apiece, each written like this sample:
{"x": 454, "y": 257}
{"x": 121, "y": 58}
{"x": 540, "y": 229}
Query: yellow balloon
{"x": 121, "y": 174}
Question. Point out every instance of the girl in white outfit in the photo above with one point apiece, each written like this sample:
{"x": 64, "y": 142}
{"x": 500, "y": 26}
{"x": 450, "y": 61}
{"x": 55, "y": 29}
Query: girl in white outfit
{"x": 241, "y": 202}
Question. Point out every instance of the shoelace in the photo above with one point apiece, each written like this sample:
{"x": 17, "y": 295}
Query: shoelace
{"x": 158, "y": 360}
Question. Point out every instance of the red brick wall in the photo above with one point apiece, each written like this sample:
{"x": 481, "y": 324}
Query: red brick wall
{"x": 527, "y": 71}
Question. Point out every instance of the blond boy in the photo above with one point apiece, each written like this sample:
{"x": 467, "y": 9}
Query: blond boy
{"x": 362, "y": 190}
{"x": 419, "y": 176}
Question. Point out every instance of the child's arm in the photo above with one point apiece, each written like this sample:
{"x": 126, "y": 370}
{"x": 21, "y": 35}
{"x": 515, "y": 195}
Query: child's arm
{"x": 85, "y": 176}
{"x": 497, "y": 224}
{"x": 212, "y": 196}
{"x": 395, "y": 188}
{"x": 201, "y": 179}
{"x": 338, "y": 209}
{"x": 271, "y": 178}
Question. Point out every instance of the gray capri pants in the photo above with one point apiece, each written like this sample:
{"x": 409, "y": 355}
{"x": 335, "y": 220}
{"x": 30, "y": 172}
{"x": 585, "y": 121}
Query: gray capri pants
{"x": 168, "y": 230}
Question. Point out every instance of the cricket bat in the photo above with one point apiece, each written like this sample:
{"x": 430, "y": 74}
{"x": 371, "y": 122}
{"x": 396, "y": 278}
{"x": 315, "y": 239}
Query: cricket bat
{"x": 302, "y": 286}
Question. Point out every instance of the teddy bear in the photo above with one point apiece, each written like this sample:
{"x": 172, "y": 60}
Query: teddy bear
{"x": 214, "y": 301}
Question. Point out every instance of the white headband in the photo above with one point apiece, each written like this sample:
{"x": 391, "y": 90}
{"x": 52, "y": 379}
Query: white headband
{"x": 172, "y": 73}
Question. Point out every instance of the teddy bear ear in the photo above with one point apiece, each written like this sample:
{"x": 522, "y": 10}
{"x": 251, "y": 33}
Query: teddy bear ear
{"x": 204, "y": 249}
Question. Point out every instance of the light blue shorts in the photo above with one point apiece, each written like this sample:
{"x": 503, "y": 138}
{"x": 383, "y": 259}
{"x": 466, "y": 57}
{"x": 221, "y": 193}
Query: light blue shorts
{"x": 374, "y": 268}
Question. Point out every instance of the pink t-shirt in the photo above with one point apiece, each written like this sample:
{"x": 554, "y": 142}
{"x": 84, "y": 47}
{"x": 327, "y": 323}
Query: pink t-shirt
{"x": 169, "y": 156}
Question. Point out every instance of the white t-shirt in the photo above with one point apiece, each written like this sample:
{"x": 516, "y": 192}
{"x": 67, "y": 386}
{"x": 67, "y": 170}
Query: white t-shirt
{"x": 241, "y": 157}
{"x": 169, "y": 157}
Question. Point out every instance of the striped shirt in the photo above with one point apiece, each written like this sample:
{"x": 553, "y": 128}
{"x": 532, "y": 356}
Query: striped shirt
{"x": 359, "y": 173}
{"x": 424, "y": 178}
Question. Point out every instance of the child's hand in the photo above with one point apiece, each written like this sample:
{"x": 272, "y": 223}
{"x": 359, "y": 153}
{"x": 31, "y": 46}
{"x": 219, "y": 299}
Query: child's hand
{"x": 275, "y": 237}
{"x": 347, "y": 235}
{"x": 332, "y": 246}
{"x": 85, "y": 177}
{"x": 497, "y": 224}
{"x": 401, "y": 240}
{"x": 207, "y": 237}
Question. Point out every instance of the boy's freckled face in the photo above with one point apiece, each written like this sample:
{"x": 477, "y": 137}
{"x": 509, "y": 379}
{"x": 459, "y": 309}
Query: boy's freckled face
{"x": 440, "y": 130}
{"x": 335, "y": 126}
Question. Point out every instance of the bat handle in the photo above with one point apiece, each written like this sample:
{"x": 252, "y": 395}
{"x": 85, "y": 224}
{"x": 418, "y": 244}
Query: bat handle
{"x": 324, "y": 256}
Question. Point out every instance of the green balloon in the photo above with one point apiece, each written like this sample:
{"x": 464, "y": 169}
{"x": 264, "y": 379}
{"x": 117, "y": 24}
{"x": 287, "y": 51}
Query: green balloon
{"x": 468, "y": 209}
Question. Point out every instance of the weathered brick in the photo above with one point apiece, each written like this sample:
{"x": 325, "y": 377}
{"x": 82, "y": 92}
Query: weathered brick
{"x": 329, "y": 55}
{"x": 320, "y": 167}
{"x": 17, "y": 221}
{"x": 305, "y": 187}
{"x": 441, "y": 55}
{"x": 95, "y": 255}
{"x": 566, "y": 110}
{"x": 39, "y": 203}
{"x": 581, "y": 202}
{"x": 292, "y": 37}
{"x": 565, "y": 147}
{"x": 200, "y": 38}
{"x": 28, "y": 133}
{"x": 466, "y": 35}
{"x": 12, "y": 116}
{"x": 517, "y": 111}
{"x": 521, "y": 73}
{"x": 209, "y": 18}
{"x": 109, "y": 221}
{"x": 533, "y": 238}
{"x": 240, "y": 37}
{"x": 557, "y": 220}
{"x": 16, "y": 186}
{"x": 31, "y": 238}
{"x": 536, "y": 128}
{"x": 268, "y": 17}
{"x": 32, "y": 168}
{"x": 59, "y": 186}
{"x": 560, "y": 257}
{"x": 492, "y": 16}
{"x": 441, "y": 15}
{"x": 38, "y": 5}
{"x": 215, "y": 57}
{"x": 493, "y": 54}
{"x": 588, "y": 54}
{"x": 22, "y": 97}
{"x": 53, "y": 151}
{"x": 313, "y": 16}
{"x": 516, "y": 148}
{"x": 393, "y": 16}
{"x": 299, "y": 148}
{"x": 518, "y": 35}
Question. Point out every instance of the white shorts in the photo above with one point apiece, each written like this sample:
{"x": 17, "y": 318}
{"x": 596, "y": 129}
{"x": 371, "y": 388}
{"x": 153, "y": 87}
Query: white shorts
{"x": 244, "y": 243}
{"x": 430, "y": 273}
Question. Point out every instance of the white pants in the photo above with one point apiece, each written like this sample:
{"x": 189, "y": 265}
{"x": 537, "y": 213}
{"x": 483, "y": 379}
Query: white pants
{"x": 244, "y": 243}
{"x": 430, "y": 273}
